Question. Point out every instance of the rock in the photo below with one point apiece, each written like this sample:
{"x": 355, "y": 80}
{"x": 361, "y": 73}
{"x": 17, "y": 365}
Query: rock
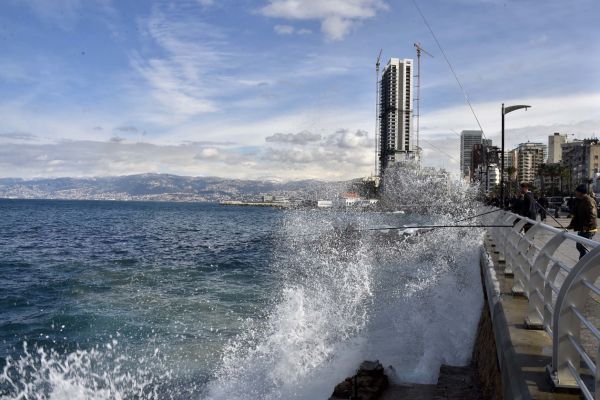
{"x": 368, "y": 384}
{"x": 370, "y": 368}
{"x": 343, "y": 390}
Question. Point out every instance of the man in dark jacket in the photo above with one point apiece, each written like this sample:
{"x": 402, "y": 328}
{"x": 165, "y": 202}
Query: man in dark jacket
{"x": 526, "y": 206}
{"x": 585, "y": 214}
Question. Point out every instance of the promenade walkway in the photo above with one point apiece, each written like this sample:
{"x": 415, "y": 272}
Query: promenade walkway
{"x": 533, "y": 348}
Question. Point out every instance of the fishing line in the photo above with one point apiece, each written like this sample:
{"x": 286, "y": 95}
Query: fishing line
{"x": 449, "y": 65}
{"x": 437, "y": 148}
{"x": 551, "y": 216}
{"x": 561, "y": 225}
{"x": 479, "y": 215}
{"x": 435, "y": 226}
{"x": 346, "y": 230}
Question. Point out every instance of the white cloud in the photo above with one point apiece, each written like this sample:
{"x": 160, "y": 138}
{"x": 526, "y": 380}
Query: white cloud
{"x": 283, "y": 29}
{"x": 180, "y": 81}
{"x": 344, "y": 138}
{"x": 342, "y": 154}
{"x": 17, "y": 136}
{"x": 335, "y": 28}
{"x": 326, "y": 152}
{"x": 207, "y": 153}
{"x": 567, "y": 111}
{"x": 337, "y": 17}
{"x": 290, "y": 30}
{"x": 301, "y": 138}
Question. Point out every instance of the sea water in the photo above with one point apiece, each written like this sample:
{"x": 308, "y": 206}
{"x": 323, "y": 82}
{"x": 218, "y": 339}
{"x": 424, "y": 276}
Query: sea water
{"x": 128, "y": 300}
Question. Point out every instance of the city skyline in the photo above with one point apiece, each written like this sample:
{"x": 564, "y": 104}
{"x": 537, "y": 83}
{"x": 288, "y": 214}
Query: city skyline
{"x": 257, "y": 89}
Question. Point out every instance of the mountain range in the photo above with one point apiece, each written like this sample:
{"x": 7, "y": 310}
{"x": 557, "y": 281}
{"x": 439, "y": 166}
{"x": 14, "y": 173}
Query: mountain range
{"x": 162, "y": 187}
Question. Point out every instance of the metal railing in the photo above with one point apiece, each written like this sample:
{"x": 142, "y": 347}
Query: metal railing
{"x": 557, "y": 289}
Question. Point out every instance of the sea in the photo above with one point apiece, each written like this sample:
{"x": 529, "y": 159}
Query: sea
{"x": 165, "y": 300}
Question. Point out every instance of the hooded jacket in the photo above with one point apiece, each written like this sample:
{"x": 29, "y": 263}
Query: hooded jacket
{"x": 585, "y": 214}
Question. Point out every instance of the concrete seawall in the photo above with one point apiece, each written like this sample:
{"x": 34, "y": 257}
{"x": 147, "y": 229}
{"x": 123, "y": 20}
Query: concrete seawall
{"x": 495, "y": 357}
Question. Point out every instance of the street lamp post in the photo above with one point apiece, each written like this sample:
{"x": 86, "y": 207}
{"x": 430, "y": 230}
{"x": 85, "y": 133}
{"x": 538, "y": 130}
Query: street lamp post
{"x": 506, "y": 110}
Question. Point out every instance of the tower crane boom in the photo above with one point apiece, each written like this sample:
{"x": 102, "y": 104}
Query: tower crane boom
{"x": 377, "y": 64}
{"x": 418, "y": 97}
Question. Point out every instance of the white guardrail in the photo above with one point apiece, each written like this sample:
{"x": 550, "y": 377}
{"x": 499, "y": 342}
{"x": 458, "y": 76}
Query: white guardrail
{"x": 557, "y": 290}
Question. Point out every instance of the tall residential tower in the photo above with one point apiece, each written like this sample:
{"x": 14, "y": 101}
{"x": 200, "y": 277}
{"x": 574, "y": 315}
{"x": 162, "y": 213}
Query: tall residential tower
{"x": 395, "y": 118}
{"x": 529, "y": 158}
{"x": 467, "y": 140}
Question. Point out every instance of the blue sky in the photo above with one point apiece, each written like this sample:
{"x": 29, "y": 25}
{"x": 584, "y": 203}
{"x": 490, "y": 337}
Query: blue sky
{"x": 276, "y": 88}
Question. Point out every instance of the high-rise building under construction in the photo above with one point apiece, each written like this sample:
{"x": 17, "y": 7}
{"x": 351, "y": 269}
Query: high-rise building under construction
{"x": 396, "y": 111}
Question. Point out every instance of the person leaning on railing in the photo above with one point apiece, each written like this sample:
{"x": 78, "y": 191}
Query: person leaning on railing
{"x": 585, "y": 214}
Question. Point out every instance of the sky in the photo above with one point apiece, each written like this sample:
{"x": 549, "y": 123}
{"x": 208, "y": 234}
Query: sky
{"x": 278, "y": 89}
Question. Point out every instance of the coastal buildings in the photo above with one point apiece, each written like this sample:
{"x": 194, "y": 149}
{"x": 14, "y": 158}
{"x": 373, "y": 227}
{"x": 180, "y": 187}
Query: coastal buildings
{"x": 582, "y": 159}
{"x": 554, "y": 147}
{"x": 484, "y": 165}
{"x": 530, "y": 156}
{"x": 493, "y": 177}
{"x": 467, "y": 140}
{"x": 510, "y": 163}
{"x": 395, "y": 118}
{"x": 479, "y": 159}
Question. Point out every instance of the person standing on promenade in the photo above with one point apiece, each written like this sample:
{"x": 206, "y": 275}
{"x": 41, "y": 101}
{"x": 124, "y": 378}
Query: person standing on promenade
{"x": 584, "y": 217}
{"x": 527, "y": 205}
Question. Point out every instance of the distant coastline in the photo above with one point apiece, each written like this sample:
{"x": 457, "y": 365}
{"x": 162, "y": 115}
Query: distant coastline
{"x": 174, "y": 188}
{"x": 253, "y": 204}
{"x": 161, "y": 187}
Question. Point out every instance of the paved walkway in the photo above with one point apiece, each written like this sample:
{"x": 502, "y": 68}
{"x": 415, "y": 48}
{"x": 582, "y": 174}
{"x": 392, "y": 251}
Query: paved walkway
{"x": 533, "y": 349}
{"x": 569, "y": 254}
{"x": 567, "y": 251}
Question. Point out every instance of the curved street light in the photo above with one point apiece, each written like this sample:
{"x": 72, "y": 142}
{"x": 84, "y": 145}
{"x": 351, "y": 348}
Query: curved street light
{"x": 506, "y": 110}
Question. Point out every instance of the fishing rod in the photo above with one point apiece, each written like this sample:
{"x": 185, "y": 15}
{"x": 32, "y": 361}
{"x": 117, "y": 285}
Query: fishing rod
{"x": 479, "y": 215}
{"x": 548, "y": 213}
{"x": 559, "y": 224}
{"x": 436, "y": 226}
{"x": 429, "y": 228}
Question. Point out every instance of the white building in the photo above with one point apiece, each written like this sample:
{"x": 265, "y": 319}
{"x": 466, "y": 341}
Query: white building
{"x": 493, "y": 176}
{"x": 324, "y": 203}
{"x": 554, "y": 147}
{"x": 529, "y": 158}
{"x": 467, "y": 140}
{"x": 489, "y": 176}
{"x": 395, "y": 118}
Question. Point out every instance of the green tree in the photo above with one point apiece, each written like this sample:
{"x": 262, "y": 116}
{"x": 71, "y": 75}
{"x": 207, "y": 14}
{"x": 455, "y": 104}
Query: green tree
{"x": 510, "y": 172}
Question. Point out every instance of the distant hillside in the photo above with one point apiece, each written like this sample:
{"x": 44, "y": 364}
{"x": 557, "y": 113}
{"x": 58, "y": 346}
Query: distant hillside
{"x": 162, "y": 187}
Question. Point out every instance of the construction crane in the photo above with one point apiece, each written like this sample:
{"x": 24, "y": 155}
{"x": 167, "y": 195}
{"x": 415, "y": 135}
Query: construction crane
{"x": 418, "y": 97}
{"x": 377, "y": 64}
